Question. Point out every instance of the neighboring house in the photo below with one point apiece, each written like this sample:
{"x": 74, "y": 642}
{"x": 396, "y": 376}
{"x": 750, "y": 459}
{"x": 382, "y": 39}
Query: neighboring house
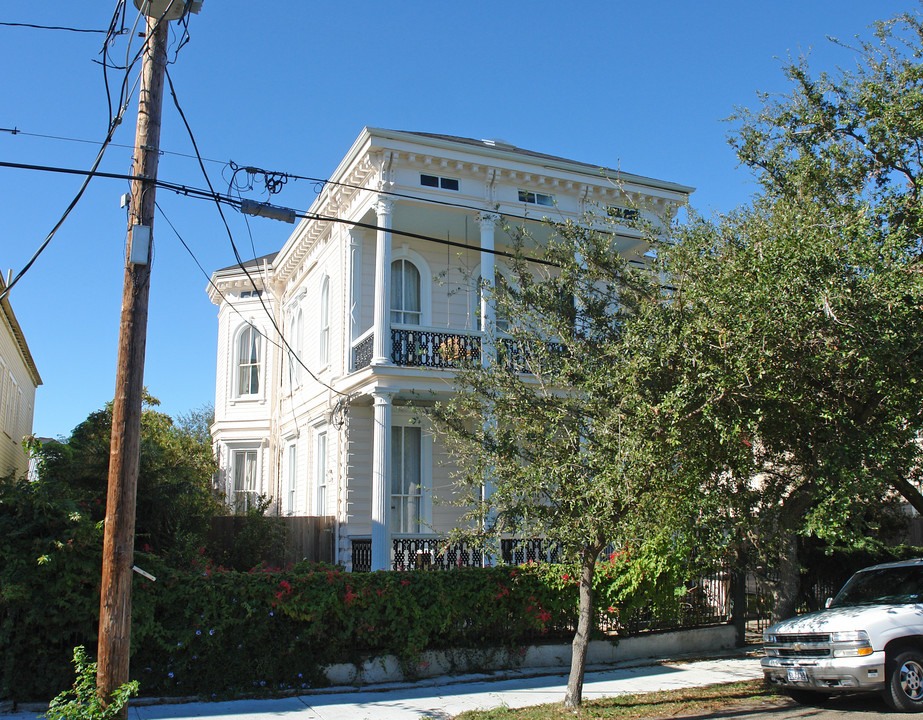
{"x": 376, "y": 294}
{"x": 18, "y": 380}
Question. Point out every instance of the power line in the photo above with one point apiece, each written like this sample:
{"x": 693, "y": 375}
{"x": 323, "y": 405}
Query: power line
{"x": 89, "y": 176}
{"x": 234, "y": 202}
{"x": 278, "y": 178}
{"x": 280, "y": 346}
{"x": 55, "y": 27}
{"x": 240, "y": 262}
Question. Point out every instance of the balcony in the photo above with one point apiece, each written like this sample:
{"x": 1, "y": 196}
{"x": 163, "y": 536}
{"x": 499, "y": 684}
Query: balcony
{"x": 415, "y": 346}
{"x": 418, "y": 552}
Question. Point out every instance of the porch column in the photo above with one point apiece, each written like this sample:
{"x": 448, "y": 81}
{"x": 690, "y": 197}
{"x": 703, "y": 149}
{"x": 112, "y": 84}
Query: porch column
{"x": 381, "y": 353}
{"x": 488, "y": 310}
{"x": 381, "y": 482}
{"x": 354, "y": 263}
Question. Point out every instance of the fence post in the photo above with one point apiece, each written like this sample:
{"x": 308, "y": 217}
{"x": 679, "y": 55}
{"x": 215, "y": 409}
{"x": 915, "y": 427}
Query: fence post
{"x": 739, "y": 595}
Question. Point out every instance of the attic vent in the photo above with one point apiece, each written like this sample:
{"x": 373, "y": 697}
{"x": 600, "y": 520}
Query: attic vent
{"x": 498, "y": 143}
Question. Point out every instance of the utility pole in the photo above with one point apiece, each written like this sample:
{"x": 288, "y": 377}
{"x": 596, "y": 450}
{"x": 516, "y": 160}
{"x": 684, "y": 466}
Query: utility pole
{"x": 119, "y": 539}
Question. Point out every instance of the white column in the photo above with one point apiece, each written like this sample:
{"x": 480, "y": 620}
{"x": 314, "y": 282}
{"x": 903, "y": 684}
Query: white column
{"x": 381, "y": 482}
{"x": 381, "y": 353}
{"x": 488, "y": 222}
{"x": 354, "y": 263}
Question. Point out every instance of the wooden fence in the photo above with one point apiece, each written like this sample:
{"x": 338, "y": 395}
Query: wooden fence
{"x": 304, "y": 538}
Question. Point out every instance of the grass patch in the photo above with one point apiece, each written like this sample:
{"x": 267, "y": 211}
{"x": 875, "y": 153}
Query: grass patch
{"x": 669, "y": 703}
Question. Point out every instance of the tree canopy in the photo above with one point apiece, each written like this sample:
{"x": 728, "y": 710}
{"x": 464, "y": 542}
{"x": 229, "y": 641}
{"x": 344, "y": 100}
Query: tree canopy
{"x": 761, "y": 379}
{"x": 175, "y": 499}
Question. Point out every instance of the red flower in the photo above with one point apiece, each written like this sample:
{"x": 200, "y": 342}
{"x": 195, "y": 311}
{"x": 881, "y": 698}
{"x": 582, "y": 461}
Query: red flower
{"x": 350, "y": 595}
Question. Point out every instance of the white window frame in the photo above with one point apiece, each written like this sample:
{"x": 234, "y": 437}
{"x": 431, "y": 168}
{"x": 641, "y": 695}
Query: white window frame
{"x": 292, "y": 477}
{"x": 239, "y": 364}
{"x": 426, "y": 285}
{"x": 441, "y": 183}
{"x": 11, "y": 417}
{"x": 321, "y": 470}
{"x": 4, "y": 390}
{"x": 323, "y": 340}
{"x": 295, "y": 340}
{"x": 421, "y": 524}
{"x": 250, "y": 489}
{"x": 535, "y": 198}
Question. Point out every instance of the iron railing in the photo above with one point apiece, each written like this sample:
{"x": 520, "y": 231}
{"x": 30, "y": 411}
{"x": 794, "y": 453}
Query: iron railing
{"x": 362, "y": 352}
{"x": 412, "y": 553}
{"x": 421, "y": 347}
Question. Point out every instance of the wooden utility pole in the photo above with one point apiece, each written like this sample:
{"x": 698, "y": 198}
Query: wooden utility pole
{"x": 118, "y": 546}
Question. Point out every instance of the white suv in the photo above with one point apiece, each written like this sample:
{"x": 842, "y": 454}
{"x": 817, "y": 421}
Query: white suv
{"x": 870, "y": 638}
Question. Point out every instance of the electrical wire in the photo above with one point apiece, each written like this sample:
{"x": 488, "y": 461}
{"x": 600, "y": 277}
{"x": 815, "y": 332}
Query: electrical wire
{"x": 54, "y": 27}
{"x": 161, "y": 152}
{"x": 114, "y": 122}
{"x": 89, "y": 176}
{"x": 218, "y": 198}
{"x": 227, "y": 227}
{"x": 276, "y": 179}
{"x": 341, "y": 404}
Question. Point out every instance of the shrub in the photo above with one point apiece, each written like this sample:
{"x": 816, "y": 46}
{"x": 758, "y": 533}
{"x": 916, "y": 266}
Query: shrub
{"x": 81, "y": 702}
{"x": 50, "y": 553}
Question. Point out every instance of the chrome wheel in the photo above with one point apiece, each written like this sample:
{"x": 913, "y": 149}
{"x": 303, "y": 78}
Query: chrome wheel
{"x": 911, "y": 680}
{"x": 904, "y": 681}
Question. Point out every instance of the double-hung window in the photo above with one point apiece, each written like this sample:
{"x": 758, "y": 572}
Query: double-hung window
{"x": 320, "y": 473}
{"x": 248, "y": 361}
{"x": 406, "y": 478}
{"x": 323, "y": 341}
{"x": 244, "y": 468}
{"x": 292, "y": 478}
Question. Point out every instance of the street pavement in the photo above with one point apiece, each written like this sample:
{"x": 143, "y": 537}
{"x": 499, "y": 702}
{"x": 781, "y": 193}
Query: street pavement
{"x": 443, "y": 698}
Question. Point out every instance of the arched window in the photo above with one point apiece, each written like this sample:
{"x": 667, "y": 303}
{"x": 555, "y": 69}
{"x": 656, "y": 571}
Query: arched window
{"x": 248, "y": 361}
{"x": 405, "y": 293}
{"x": 323, "y": 342}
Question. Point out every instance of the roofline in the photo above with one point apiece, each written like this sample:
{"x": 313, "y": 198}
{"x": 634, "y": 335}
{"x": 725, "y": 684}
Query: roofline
{"x": 511, "y": 152}
{"x": 19, "y": 336}
{"x": 248, "y": 264}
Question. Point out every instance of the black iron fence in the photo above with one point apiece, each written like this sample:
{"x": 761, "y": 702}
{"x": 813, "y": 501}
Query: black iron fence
{"x": 420, "y": 347}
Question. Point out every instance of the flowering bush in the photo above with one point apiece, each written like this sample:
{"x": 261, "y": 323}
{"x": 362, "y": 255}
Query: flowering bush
{"x": 213, "y": 632}
{"x": 220, "y": 632}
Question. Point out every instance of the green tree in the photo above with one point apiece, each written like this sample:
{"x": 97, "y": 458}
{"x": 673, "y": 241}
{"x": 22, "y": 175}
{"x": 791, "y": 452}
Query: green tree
{"x": 794, "y": 338}
{"x": 559, "y": 428}
{"x": 795, "y": 323}
{"x": 175, "y": 497}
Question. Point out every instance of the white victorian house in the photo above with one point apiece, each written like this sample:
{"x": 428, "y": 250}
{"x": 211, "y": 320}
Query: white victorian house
{"x": 324, "y": 346}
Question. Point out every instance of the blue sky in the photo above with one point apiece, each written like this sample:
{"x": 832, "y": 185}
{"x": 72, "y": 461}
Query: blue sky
{"x": 288, "y": 86}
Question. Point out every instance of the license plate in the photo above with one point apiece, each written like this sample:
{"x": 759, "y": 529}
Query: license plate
{"x": 797, "y": 675}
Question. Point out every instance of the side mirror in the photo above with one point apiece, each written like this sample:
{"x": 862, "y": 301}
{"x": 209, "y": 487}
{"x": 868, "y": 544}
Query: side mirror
{"x": 827, "y": 602}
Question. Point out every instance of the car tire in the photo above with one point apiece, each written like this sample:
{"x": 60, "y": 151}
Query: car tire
{"x": 811, "y": 698}
{"x": 904, "y": 689}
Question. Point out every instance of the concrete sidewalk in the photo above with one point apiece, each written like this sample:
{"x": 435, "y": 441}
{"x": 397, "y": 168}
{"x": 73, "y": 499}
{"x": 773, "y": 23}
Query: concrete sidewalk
{"x": 444, "y": 698}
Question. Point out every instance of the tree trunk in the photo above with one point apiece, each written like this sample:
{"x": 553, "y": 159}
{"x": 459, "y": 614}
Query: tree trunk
{"x": 574, "y": 696}
{"x": 909, "y": 493}
{"x": 785, "y": 593}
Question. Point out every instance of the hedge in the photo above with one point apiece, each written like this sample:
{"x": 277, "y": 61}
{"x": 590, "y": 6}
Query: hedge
{"x": 214, "y": 633}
